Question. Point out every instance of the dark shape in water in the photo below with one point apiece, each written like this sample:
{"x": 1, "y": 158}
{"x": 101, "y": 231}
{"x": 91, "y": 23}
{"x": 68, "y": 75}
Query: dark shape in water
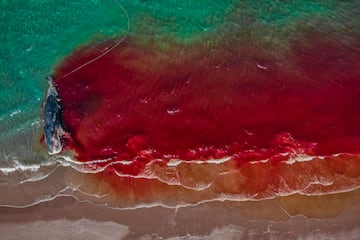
{"x": 52, "y": 115}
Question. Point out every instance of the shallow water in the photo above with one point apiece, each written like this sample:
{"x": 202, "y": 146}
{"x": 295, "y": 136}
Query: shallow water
{"x": 308, "y": 193}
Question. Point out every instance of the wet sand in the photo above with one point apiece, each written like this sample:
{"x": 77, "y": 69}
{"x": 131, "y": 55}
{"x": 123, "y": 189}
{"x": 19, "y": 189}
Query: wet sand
{"x": 335, "y": 216}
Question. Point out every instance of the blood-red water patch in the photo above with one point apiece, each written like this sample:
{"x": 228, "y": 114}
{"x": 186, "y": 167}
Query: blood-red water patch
{"x": 141, "y": 103}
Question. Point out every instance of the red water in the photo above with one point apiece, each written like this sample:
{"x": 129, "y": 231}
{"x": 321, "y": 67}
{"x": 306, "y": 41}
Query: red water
{"x": 190, "y": 102}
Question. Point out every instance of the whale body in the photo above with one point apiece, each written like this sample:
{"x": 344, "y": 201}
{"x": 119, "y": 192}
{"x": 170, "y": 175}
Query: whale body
{"x": 53, "y": 129}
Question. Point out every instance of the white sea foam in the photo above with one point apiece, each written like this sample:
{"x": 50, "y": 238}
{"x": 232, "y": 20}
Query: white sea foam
{"x": 22, "y": 167}
{"x": 15, "y": 112}
{"x": 176, "y": 162}
{"x": 300, "y": 158}
{"x": 69, "y": 176}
